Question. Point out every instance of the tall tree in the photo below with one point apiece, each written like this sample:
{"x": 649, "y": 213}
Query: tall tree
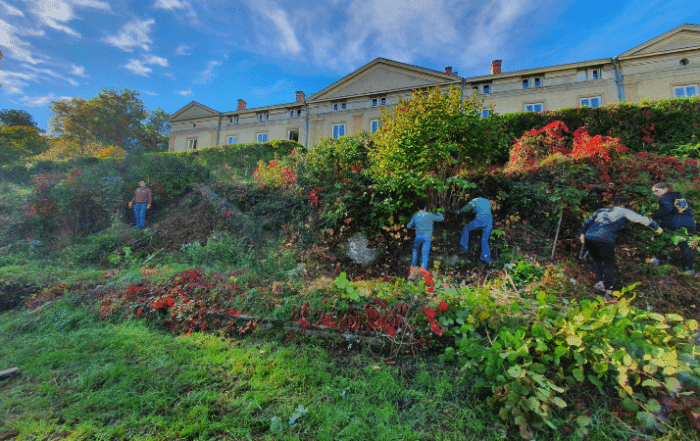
{"x": 112, "y": 118}
{"x": 18, "y": 143}
{"x": 155, "y": 132}
{"x": 11, "y": 118}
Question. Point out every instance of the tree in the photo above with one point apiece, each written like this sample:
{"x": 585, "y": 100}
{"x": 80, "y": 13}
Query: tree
{"x": 424, "y": 145}
{"x": 155, "y": 132}
{"x": 112, "y": 118}
{"x": 16, "y": 118}
{"x": 18, "y": 143}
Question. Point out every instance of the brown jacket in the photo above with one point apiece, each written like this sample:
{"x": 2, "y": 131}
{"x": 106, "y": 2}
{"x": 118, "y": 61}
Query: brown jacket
{"x": 142, "y": 195}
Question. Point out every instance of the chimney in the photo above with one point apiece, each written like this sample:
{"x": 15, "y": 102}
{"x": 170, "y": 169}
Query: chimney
{"x": 495, "y": 67}
{"x": 301, "y": 96}
{"x": 448, "y": 70}
{"x": 241, "y": 104}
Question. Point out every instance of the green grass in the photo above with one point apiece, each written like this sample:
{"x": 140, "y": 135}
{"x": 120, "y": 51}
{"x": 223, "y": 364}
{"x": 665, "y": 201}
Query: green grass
{"x": 84, "y": 378}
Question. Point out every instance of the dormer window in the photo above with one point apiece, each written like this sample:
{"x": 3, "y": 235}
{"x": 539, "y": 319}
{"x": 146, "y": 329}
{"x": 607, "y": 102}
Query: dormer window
{"x": 526, "y": 83}
{"x": 487, "y": 88}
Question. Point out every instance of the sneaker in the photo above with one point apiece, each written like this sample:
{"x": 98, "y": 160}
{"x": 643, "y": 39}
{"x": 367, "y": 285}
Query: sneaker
{"x": 599, "y": 286}
{"x": 653, "y": 261}
{"x": 690, "y": 272}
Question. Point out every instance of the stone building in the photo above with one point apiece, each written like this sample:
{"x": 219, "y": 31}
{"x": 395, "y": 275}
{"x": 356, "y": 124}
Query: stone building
{"x": 664, "y": 67}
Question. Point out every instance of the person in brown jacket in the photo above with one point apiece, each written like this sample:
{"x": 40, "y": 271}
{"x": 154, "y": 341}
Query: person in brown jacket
{"x": 141, "y": 202}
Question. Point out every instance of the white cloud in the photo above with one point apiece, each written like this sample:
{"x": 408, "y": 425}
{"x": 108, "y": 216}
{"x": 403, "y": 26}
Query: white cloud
{"x": 289, "y": 42}
{"x": 183, "y": 49}
{"x": 9, "y": 9}
{"x": 17, "y": 48}
{"x": 187, "y": 92}
{"x": 53, "y": 12}
{"x": 170, "y": 4}
{"x": 138, "y": 67}
{"x": 133, "y": 35}
{"x": 93, "y": 4}
{"x": 150, "y": 93}
{"x": 160, "y": 61}
{"x": 14, "y": 82}
{"x": 207, "y": 74}
{"x": 41, "y": 101}
{"x": 78, "y": 70}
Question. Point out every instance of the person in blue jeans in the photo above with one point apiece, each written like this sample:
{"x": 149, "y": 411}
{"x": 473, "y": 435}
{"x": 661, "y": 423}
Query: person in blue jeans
{"x": 423, "y": 223}
{"x": 141, "y": 202}
{"x": 483, "y": 220}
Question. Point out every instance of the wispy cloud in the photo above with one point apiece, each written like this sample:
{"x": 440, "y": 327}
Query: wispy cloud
{"x": 14, "y": 82}
{"x": 54, "y": 14}
{"x": 9, "y": 9}
{"x": 207, "y": 74}
{"x": 281, "y": 86}
{"x": 150, "y": 93}
{"x": 171, "y": 4}
{"x": 138, "y": 67}
{"x": 183, "y": 49}
{"x": 17, "y": 48}
{"x": 133, "y": 35}
{"x": 187, "y": 92}
{"x": 288, "y": 43}
{"x": 41, "y": 101}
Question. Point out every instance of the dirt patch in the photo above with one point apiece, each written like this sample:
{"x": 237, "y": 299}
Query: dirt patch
{"x": 12, "y": 295}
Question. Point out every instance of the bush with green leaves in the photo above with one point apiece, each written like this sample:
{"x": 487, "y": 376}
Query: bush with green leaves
{"x": 535, "y": 353}
{"x": 423, "y": 146}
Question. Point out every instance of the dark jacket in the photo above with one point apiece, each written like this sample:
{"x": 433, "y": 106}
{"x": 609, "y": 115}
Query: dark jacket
{"x": 674, "y": 212}
{"x": 606, "y": 223}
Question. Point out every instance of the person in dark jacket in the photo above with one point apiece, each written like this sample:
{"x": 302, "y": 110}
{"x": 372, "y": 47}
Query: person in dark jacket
{"x": 141, "y": 202}
{"x": 599, "y": 233}
{"x": 423, "y": 223}
{"x": 675, "y": 213}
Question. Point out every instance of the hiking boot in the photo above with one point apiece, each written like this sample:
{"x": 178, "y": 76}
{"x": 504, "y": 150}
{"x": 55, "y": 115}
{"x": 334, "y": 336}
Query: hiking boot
{"x": 653, "y": 261}
{"x": 599, "y": 286}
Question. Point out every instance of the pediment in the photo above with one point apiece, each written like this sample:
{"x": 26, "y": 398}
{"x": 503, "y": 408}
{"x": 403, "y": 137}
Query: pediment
{"x": 682, "y": 38}
{"x": 193, "y": 110}
{"x": 381, "y": 76}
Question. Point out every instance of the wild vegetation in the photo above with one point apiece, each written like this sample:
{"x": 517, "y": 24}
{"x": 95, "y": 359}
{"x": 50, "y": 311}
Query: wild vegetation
{"x": 267, "y": 299}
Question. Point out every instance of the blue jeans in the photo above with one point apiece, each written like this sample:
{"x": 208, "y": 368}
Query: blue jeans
{"x": 140, "y": 213}
{"x": 486, "y": 223}
{"x": 421, "y": 243}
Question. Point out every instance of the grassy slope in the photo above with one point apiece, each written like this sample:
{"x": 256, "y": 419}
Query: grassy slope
{"x": 83, "y": 378}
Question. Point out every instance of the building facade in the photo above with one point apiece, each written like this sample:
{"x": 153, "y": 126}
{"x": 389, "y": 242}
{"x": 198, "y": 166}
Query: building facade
{"x": 667, "y": 66}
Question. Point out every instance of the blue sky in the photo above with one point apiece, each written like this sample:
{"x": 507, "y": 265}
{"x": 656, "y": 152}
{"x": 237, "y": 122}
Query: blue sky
{"x": 262, "y": 51}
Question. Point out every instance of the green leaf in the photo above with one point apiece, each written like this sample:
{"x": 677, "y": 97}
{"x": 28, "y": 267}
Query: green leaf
{"x": 630, "y": 405}
{"x": 574, "y": 340}
{"x": 559, "y": 402}
{"x": 650, "y": 383}
{"x": 578, "y": 374}
{"x": 674, "y": 318}
{"x": 583, "y": 420}
{"x": 647, "y": 419}
{"x": 653, "y": 406}
{"x": 672, "y": 383}
{"x": 650, "y": 369}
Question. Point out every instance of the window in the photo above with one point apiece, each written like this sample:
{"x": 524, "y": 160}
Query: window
{"x": 191, "y": 144}
{"x": 374, "y": 125}
{"x": 685, "y": 91}
{"x": 590, "y": 74}
{"x": 230, "y": 121}
{"x": 291, "y": 114}
{"x": 485, "y": 113}
{"x": 375, "y": 102}
{"x": 538, "y": 82}
{"x": 338, "y": 130}
{"x": 293, "y": 135}
{"x": 593, "y": 101}
{"x": 232, "y": 140}
{"x": 683, "y": 62}
{"x": 487, "y": 88}
{"x": 475, "y": 89}
{"x": 526, "y": 83}
{"x": 262, "y": 137}
{"x": 382, "y": 101}
{"x": 535, "y": 107}
{"x": 343, "y": 106}
{"x": 335, "y": 107}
